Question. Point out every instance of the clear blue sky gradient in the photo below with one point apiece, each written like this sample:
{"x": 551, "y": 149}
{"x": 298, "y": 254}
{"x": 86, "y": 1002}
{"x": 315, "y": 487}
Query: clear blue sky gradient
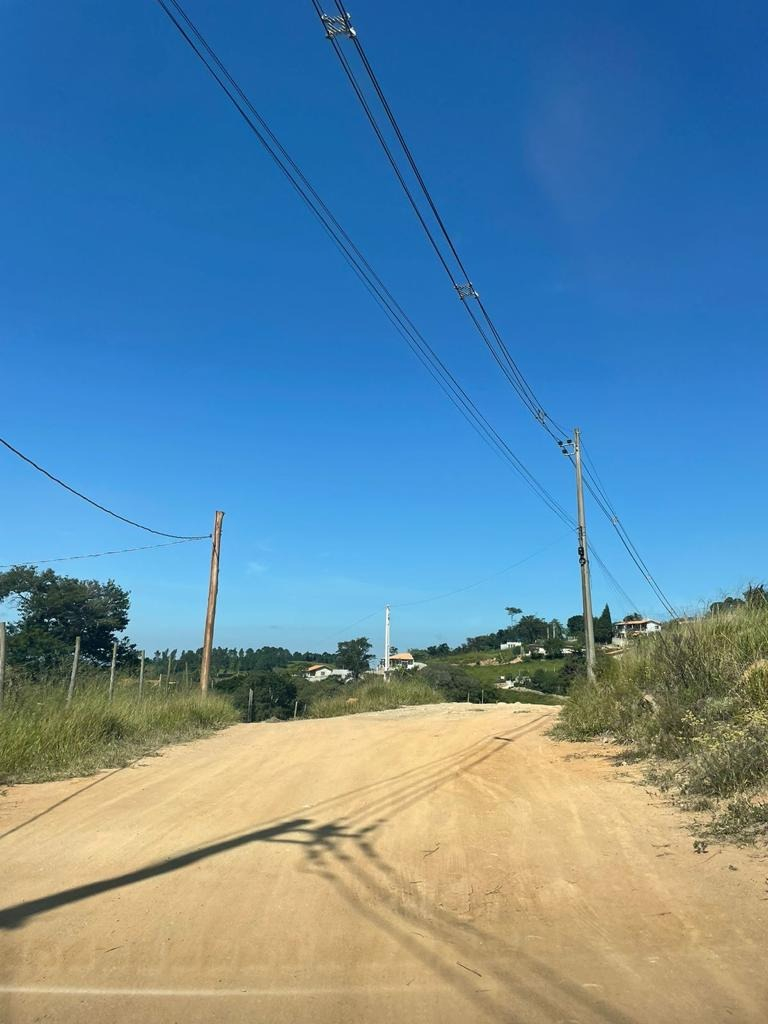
{"x": 178, "y": 335}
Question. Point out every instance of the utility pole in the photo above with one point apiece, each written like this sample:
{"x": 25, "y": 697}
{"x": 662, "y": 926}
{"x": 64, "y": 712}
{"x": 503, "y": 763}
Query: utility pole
{"x": 73, "y": 675}
{"x": 572, "y": 449}
{"x": 210, "y": 614}
{"x": 586, "y": 584}
{"x": 112, "y": 671}
{"x": 386, "y": 642}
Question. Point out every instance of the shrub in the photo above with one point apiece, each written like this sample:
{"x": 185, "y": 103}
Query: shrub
{"x": 730, "y": 757}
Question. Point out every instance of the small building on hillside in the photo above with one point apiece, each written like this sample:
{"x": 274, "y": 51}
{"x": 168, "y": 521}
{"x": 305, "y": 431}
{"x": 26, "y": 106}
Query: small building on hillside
{"x": 325, "y": 672}
{"x": 405, "y": 660}
{"x": 511, "y": 645}
{"x": 628, "y": 628}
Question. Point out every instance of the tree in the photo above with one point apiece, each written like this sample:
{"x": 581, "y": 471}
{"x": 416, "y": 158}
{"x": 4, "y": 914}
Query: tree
{"x": 512, "y": 612}
{"x": 728, "y": 604}
{"x": 354, "y": 655}
{"x": 529, "y": 628}
{"x": 554, "y": 647}
{"x": 634, "y": 617}
{"x": 575, "y": 625}
{"x": 53, "y": 610}
{"x": 604, "y": 627}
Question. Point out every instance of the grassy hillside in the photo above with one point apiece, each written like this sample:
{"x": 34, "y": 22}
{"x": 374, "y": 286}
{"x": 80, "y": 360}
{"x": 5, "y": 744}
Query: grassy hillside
{"x": 489, "y": 675}
{"x": 375, "y": 695}
{"x": 694, "y": 698}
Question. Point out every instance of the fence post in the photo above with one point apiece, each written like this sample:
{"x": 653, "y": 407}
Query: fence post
{"x": 112, "y": 670}
{"x": 2, "y": 664}
{"x": 295, "y": 708}
{"x": 250, "y": 704}
{"x": 141, "y": 676}
{"x": 73, "y": 676}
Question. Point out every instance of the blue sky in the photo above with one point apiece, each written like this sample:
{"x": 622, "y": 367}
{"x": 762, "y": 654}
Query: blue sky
{"x": 178, "y": 335}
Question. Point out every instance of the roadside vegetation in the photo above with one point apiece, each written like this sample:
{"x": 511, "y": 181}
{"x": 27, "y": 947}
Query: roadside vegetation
{"x": 694, "y": 700}
{"x": 373, "y": 694}
{"x": 433, "y": 685}
{"x": 41, "y": 738}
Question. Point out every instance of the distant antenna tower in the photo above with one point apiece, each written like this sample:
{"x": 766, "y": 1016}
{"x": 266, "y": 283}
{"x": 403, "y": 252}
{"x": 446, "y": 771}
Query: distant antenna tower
{"x": 386, "y": 641}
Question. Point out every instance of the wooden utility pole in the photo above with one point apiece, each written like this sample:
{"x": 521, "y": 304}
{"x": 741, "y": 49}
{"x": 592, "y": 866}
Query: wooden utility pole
{"x": 112, "y": 670}
{"x": 141, "y": 675}
{"x": 2, "y": 663}
{"x": 586, "y": 584}
{"x": 73, "y": 676}
{"x": 210, "y": 614}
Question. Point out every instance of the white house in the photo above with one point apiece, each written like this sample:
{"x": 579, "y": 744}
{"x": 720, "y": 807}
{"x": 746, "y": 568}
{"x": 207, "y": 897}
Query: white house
{"x": 405, "y": 660}
{"x": 635, "y": 627}
{"x": 511, "y": 645}
{"x": 325, "y": 671}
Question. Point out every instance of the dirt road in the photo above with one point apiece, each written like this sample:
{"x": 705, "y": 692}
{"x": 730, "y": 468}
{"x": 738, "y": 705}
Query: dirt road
{"x": 447, "y": 865}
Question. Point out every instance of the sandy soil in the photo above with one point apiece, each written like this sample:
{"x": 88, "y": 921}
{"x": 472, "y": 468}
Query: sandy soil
{"x": 448, "y": 864}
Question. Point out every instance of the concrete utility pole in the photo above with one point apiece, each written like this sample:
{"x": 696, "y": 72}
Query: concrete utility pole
{"x": 386, "y": 641}
{"x": 586, "y": 585}
{"x": 73, "y": 675}
{"x": 210, "y": 615}
{"x": 112, "y": 670}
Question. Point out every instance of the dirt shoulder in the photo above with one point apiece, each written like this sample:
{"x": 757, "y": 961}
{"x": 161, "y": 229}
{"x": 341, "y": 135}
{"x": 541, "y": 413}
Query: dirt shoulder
{"x": 447, "y": 863}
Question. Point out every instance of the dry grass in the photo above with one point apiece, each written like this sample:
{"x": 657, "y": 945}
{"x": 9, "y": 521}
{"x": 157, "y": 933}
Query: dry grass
{"x": 41, "y": 738}
{"x": 375, "y": 695}
{"x": 696, "y": 696}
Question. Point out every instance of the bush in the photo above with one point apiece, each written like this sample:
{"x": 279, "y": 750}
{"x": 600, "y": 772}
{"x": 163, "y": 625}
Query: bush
{"x": 731, "y": 757}
{"x": 274, "y": 693}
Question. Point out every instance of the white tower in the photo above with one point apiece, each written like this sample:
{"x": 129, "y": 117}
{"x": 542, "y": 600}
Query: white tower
{"x": 386, "y": 641}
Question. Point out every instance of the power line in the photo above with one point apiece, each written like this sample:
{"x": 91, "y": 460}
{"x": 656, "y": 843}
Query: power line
{"x": 349, "y": 251}
{"x": 341, "y": 26}
{"x": 352, "y": 254}
{"x": 102, "y": 554}
{"x": 460, "y": 590}
{"x": 485, "y": 579}
{"x": 463, "y": 286}
{"x": 102, "y": 508}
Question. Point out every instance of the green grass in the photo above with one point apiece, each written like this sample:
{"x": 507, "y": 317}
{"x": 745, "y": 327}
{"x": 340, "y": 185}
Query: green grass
{"x": 374, "y": 695}
{"x": 524, "y": 697}
{"x": 695, "y": 697}
{"x": 42, "y": 739}
{"x": 489, "y": 675}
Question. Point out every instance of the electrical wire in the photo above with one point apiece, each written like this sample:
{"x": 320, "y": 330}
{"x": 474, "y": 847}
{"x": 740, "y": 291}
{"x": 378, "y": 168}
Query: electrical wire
{"x": 511, "y": 370}
{"x": 485, "y": 579}
{"x": 350, "y": 252}
{"x": 90, "y": 501}
{"x": 103, "y": 554}
{"x": 500, "y": 352}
